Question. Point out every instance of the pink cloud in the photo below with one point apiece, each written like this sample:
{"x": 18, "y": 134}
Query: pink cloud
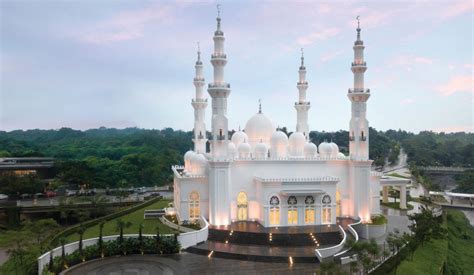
{"x": 459, "y": 83}
{"x": 331, "y": 55}
{"x": 125, "y": 26}
{"x": 458, "y": 8}
{"x": 407, "y": 101}
{"x": 319, "y": 35}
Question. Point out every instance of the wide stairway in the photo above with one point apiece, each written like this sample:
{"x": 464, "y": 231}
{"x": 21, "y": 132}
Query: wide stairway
{"x": 253, "y": 242}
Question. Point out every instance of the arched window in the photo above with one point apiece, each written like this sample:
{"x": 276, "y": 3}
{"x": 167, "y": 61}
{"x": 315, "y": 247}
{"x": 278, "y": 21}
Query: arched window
{"x": 338, "y": 203}
{"x": 274, "y": 210}
{"x": 242, "y": 206}
{"x": 194, "y": 211}
{"x": 309, "y": 210}
{"x": 292, "y": 210}
{"x": 326, "y": 209}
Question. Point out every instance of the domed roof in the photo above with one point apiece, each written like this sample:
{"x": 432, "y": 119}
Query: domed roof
{"x": 188, "y": 155}
{"x": 231, "y": 147}
{"x": 310, "y": 150}
{"x": 279, "y": 137}
{"x": 261, "y": 150}
{"x": 296, "y": 144}
{"x": 341, "y": 155}
{"x": 239, "y": 137}
{"x": 325, "y": 149}
{"x": 259, "y": 127}
{"x": 334, "y": 149}
{"x": 198, "y": 164}
{"x": 244, "y": 149}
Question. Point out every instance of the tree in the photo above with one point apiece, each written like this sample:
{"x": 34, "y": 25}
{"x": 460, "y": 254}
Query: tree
{"x": 100, "y": 241}
{"x": 120, "y": 226}
{"x": 81, "y": 231}
{"x": 140, "y": 236}
{"x": 426, "y": 226}
{"x": 62, "y": 241}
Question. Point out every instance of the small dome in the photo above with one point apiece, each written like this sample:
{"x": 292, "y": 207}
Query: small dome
{"x": 232, "y": 150}
{"x": 278, "y": 145}
{"x": 261, "y": 151}
{"x": 296, "y": 144}
{"x": 334, "y": 149}
{"x": 259, "y": 127}
{"x": 198, "y": 164}
{"x": 325, "y": 150}
{"x": 244, "y": 150}
{"x": 238, "y": 138}
{"x": 310, "y": 150}
{"x": 341, "y": 155}
{"x": 187, "y": 160}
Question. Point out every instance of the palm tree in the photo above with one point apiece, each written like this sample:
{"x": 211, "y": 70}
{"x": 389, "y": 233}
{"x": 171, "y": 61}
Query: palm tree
{"x": 120, "y": 226}
{"x": 100, "y": 241}
{"x": 140, "y": 236}
{"x": 63, "y": 251}
{"x": 81, "y": 231}
{"x": 51, "y": 261}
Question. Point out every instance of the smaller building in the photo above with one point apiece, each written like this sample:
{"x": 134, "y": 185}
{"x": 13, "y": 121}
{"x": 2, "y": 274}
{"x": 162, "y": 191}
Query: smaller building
{"x": 38, "y": 166}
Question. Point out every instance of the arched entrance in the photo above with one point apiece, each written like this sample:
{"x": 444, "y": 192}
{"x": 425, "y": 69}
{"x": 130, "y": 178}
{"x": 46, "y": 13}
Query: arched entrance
{"x": 242, "y": 206}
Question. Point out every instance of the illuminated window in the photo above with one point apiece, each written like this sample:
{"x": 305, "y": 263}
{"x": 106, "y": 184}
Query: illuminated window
{"x": 292, "y": 210}
{"x": 274, "y": 210}
{"x": 242, "y": 206}
{"x": 194, "y": 211}
{"x": 326, "y": 215}
{"x": 309, "y": 210}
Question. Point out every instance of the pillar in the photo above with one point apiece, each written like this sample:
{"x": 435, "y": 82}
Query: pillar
{"x": 403, "y": 197}
{"x": 385, "y": 194}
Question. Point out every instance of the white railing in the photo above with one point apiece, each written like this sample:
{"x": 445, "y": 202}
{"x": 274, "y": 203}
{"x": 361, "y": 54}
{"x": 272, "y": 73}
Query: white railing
{"x": 330, "y": 251}
{"x": 354, "y": 233}
{"x": 175, "y": 226}
{"x": 185, "y": 239}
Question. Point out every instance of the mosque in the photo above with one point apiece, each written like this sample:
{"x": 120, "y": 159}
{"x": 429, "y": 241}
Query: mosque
{"x": 260, "y": 174}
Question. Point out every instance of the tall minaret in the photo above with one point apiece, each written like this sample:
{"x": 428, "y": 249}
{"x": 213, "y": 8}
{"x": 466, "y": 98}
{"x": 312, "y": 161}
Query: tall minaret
{"x": 219, "y": 162}
{"x": 302, "y": 106}
{"x": 199, "y": 104}
{"x": 359, "y": 126}
{"x": 219, "y": 90}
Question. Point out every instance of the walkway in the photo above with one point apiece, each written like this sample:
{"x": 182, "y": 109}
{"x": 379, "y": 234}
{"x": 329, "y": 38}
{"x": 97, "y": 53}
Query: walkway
{"x": 186, "y": 263}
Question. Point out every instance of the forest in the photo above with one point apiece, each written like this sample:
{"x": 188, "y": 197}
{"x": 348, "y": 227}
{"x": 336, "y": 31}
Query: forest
{"x": 108, "y": 157}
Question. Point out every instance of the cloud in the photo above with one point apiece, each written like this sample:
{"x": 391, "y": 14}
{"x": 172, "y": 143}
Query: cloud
{"x": 459, "y": 8}
{"x": 455, "y": 129}
{"x": 410, "y": 61}
{"x": 407, "y": 101}
{"x": 319, "y": 35}
{"x": 125, "y": 26}
{"x": 457, "y": 84}
{"x": 331, "y": 55}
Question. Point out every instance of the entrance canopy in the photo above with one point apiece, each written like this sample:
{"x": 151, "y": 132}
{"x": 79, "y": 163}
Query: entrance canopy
{"x": 301, "y": 186}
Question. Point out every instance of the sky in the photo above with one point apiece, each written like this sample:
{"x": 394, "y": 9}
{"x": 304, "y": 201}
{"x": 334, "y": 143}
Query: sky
{"x": 86, "y": 64}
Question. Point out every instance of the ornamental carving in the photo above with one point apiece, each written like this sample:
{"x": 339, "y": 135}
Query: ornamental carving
{"x": 274, "y": 201}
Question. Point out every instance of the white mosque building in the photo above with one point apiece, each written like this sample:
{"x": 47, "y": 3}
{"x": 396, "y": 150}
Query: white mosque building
{"x": 260, "y": 174}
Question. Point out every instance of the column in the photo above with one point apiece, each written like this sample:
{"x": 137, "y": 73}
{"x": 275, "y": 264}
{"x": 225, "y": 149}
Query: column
{"x": 385, "y": 194}
{"x": 403, "y": 197}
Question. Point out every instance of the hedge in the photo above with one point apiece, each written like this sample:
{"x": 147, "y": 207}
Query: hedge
{"x": 74, "y": 229}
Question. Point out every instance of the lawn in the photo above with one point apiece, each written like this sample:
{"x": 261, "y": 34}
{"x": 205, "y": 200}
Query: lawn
{"x": 457, "y": 250}
{"x": 136, "y": 218}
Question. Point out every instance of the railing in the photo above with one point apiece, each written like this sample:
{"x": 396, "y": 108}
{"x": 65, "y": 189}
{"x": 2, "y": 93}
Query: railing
{"x": 354, "y": 233}
{"x": 219, "y": 55}
{"x": 367, "y": 91}
{"x": 359, "y": 64}
{"x": 185, "y": 239}
{"x": 175, "y": 226}
{"x": 199, "y": 100}
{"x": 330, "y": 251}
{"x": 302, "y": 103}
{"x": 223, "y": 85}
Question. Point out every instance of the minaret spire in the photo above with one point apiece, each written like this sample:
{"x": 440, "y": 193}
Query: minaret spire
{"x": 358, "y": 95}
{"x": 199, "y": 104}
{"x": 302, "y": 106}
{"x": 219, "y": 90}
{"x": 260, "y": 106}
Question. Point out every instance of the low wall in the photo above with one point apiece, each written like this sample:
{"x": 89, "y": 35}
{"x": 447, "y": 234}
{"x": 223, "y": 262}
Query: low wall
{"x": 351, "y": 229}
{"x": 185, "y": 239}
{"x": 322, "y": 253}
{"x": 175, "y": 226}
{"x": 371, "y": 231}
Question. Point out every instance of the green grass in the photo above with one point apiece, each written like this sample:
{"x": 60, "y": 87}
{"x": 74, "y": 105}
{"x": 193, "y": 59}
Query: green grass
{"x": 461, "y": 244}
{"x": 427, "y": 259}
{"x": 396, "y": 205}
{"x": 136, "y": 218}
{"x": 379, "y": 220}
{"x": 398, "y": 176}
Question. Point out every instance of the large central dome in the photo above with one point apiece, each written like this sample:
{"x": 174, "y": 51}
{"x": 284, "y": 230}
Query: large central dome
{"x": 259, "y": 128}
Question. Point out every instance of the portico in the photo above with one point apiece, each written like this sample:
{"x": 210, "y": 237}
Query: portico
{"x": 401, "y": 183}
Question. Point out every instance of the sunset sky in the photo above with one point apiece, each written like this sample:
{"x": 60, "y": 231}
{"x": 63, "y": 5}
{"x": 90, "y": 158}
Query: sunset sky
{"x": 85, "y": 64}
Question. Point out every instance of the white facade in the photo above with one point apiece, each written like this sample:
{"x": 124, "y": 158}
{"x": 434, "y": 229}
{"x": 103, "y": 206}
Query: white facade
{"x": 261, "y": 174}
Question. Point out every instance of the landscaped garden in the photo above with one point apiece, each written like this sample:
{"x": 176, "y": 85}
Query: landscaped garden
{"x": 150, "y": 226}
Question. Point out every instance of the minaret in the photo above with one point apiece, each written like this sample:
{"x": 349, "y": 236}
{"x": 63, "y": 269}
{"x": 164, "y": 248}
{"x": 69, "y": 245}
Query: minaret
{"x": 219, "y": 162}
{"x": 359, "y": 169}
{"x": 199, "y": 104}
{"x": 219, "y": 90}
{"x": 359, "y": 126}
{"x": 302, "y": 106}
